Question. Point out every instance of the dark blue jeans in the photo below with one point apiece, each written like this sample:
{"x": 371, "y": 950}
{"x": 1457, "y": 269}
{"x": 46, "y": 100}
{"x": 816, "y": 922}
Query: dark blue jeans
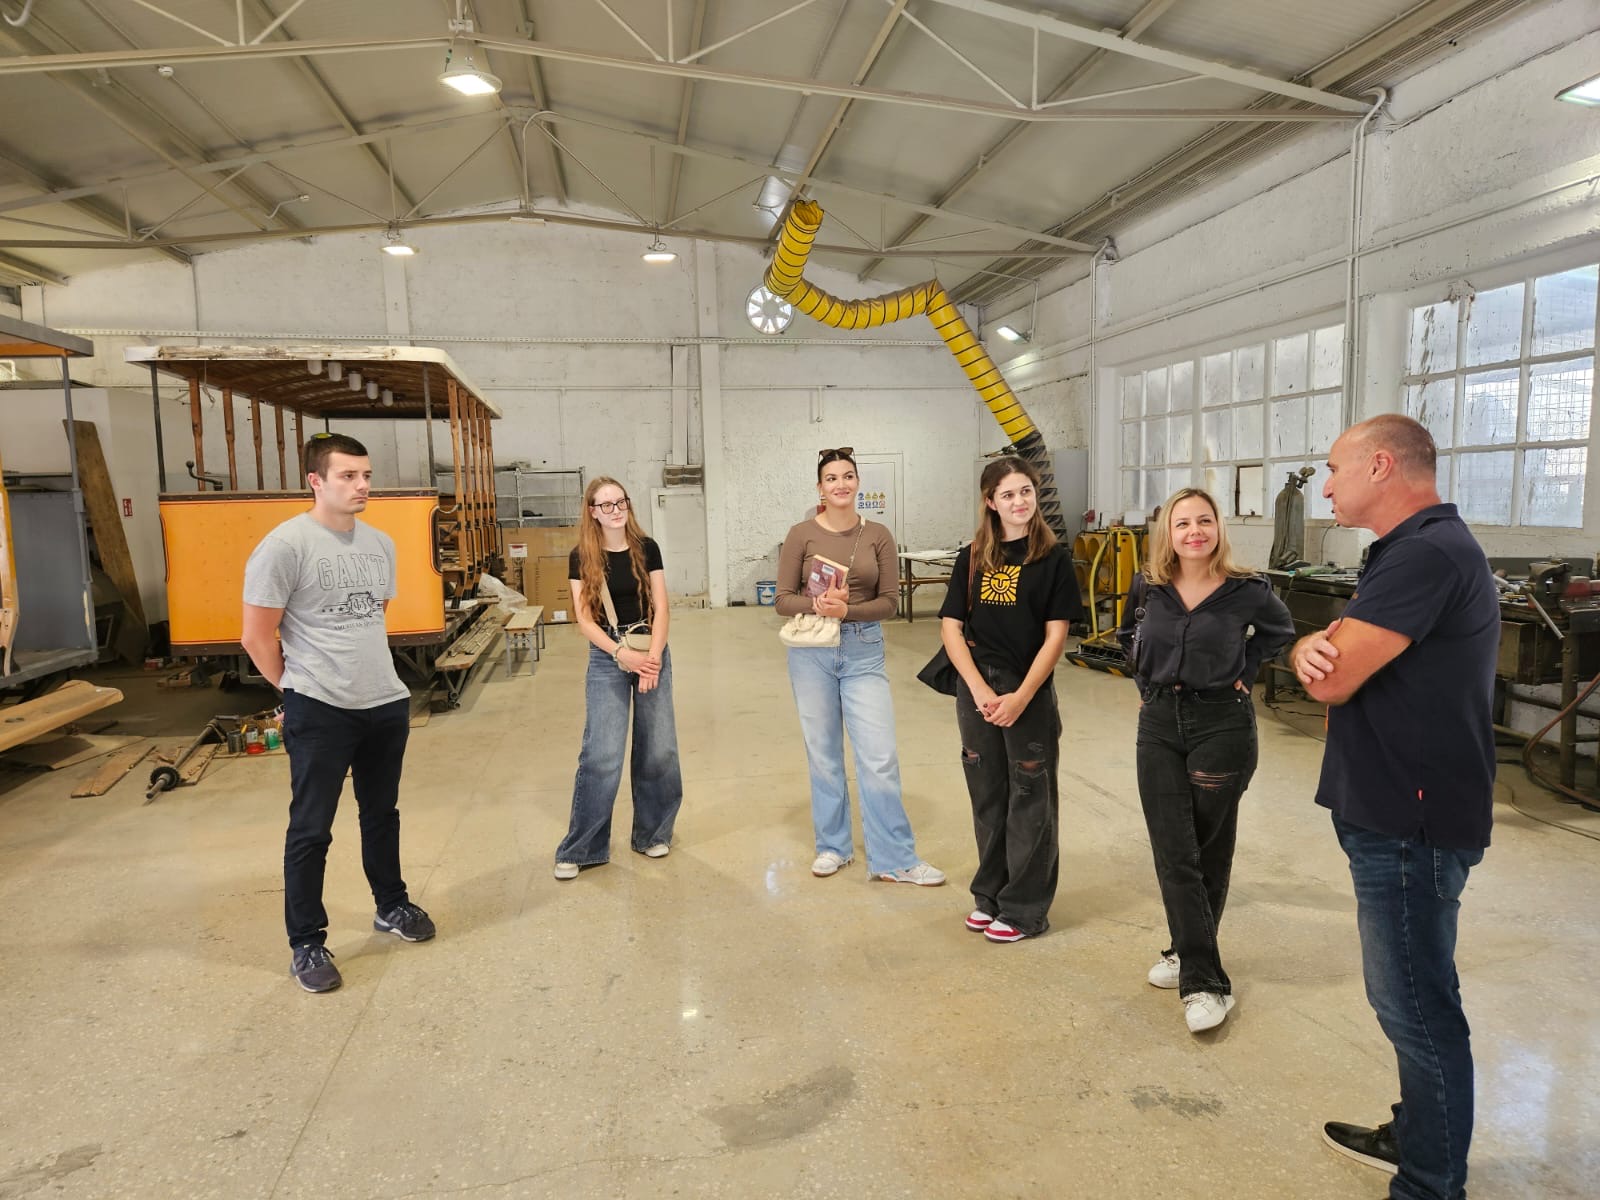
{"x": 324, "y": 744}
{"x": 609, "y": 693}
{"x": 1196, "y": 754}
{"x": 1408, "y": 896}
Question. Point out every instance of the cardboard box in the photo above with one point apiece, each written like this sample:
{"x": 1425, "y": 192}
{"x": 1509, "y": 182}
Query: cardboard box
{"x": 521, "y": 548}
{"x": 551, "y": 588}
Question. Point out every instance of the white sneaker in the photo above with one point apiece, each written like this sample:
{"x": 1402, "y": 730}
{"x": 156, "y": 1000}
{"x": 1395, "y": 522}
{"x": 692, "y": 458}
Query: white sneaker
{"x": 1205, "y": 1010}
{"x": 659, "y": 850}
{"x": 566, "y": 870}
{"x": 920, "y": 874}
{"x": 828, "y": 863}
{"x": 1165, "y": 973}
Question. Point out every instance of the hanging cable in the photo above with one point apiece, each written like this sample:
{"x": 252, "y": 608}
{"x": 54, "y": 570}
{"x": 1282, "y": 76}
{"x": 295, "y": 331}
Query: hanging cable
{"x": 22, "y": 19}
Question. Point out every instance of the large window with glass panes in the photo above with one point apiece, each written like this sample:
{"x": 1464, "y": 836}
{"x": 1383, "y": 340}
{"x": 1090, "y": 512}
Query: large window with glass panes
{"x": 1236, "y": 421}
{"x": 1504, "y": 380}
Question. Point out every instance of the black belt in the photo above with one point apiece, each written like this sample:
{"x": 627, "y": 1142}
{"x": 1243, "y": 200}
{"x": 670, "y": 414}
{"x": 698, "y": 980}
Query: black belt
{"x": 1179, "y": 690}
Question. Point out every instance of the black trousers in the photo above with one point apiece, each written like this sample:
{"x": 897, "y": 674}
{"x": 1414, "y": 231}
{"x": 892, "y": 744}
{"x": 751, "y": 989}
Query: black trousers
{"x": 1196, "y": 754}
{"x": 1011, "y": 778}
{"x": 325, "y": 743}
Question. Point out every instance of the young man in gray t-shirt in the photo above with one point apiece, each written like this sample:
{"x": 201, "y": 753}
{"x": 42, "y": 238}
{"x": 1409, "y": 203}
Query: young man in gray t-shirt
{"x": 320, "y": 582}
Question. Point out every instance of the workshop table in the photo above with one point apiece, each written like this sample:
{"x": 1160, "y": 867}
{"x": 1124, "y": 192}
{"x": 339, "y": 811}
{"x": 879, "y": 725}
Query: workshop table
{"x": 910, "y": 581}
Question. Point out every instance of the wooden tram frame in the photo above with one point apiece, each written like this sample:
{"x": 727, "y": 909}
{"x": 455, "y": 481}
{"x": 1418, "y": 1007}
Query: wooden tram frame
{"x": 462, "y": 537}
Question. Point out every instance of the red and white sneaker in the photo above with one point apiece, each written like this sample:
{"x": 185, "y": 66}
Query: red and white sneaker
{"x": 978, "y": 920}
{"x": 1001, "y": 931}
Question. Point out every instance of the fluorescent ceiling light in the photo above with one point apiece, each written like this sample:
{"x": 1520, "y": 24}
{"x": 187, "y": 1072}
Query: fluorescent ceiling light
{"x": 658, "y": 253}
{"x": 1011, "y": 335}
{"x": 467, "y": 78}
{"x": 399, "y": 249}
{"x": 1586, "y": 93}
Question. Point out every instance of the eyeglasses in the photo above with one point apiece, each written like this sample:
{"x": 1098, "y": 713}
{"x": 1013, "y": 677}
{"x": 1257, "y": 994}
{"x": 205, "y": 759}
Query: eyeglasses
{"x": 611, "y": 506}
{"x": 841, "y": 452}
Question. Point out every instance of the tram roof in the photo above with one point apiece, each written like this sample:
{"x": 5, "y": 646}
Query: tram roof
{"x": 282, "y": 376}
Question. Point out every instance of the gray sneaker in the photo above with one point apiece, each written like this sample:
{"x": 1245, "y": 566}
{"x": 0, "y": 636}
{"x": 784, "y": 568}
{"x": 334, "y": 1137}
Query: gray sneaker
{"x": 405, "y": 920}
{"x": 313, "y": 969}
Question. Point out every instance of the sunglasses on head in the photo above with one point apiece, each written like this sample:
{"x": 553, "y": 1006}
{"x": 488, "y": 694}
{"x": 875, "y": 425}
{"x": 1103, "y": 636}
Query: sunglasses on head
{"x": 840, "y": 452}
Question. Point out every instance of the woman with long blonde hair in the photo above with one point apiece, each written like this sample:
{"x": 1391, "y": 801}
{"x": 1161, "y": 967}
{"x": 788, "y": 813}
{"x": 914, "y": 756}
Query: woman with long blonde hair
{"x": 619, "y": 600}
{"x": 1196, "y": 630}
{"x": 1004, "y": 623}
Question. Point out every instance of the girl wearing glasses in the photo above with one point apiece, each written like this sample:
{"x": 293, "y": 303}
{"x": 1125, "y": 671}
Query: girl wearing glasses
{"x": 844, "y": 688}
{"x": 1004, "y": 623}
{"x": 615, "y": 559}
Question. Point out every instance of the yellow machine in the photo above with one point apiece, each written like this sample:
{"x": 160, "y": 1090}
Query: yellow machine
{"x": 1106, "y": 562}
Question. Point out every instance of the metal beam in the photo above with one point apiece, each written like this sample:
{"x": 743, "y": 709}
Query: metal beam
{"x": 33, "y": 64}
{"x": 696, "y": 34}
{"x": 551, "y": 217}
{"x": 29, "y": 272}
{"x": 320, "y": 85}
{"x": 1136, "y": 27}
{"x": 541, "y": 100}
{"x": 94, "y": 209}
{"x": 1055, "y": 26}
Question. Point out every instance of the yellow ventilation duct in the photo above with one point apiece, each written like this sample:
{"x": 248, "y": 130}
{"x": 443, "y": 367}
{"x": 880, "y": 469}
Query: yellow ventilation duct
{"x": 785, "y": 277}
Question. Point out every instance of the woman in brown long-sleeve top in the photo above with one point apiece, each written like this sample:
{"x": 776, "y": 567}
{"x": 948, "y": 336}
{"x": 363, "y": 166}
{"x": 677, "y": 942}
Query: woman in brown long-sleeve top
{"x": 845, "y": 687}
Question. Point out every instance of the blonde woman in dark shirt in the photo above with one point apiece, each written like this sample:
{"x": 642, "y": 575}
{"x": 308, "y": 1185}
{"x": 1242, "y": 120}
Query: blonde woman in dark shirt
{"x": 845, "y": 688}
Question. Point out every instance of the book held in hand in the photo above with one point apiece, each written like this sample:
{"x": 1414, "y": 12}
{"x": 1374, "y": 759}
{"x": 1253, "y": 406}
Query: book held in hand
{"x": 824, "y": 574}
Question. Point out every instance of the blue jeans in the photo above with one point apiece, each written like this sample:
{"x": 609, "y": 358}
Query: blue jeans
{"x": 657, "y": 783}
{"x": 1408, "y": 895}
{"x": 845, "y": 689}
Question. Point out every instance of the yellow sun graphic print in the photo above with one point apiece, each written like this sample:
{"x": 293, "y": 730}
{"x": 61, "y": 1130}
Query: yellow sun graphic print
{"x": 1000, "y": 587}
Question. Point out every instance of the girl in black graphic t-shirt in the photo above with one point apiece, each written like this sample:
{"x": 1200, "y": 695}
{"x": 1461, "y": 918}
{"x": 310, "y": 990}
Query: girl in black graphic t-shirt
{"x": 1012, "y": 594}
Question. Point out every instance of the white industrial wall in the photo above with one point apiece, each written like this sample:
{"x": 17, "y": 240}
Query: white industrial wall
{"x": 574, "y": 338}
{"x": 1472, "y": 172}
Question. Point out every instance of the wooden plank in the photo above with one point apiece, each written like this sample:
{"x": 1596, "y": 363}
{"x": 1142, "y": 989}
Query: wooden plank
{"x": 103, "y": 780}
{"x": 471, "y": 646}
{"x": 105, "y": 519}
{"x": 69, "y": 750}
{"x": 9, "y": 610}
{"x": 283, "y": 470}
{"x": 255, "y": 435}
{"x": 300, "y": 448}
{"x": 197, "y": 426}
{"x": 227, "y": 433}
{"x": 525, "y": 619}
{"x": 191, "y": 771}
{"x": 77, "y": 698}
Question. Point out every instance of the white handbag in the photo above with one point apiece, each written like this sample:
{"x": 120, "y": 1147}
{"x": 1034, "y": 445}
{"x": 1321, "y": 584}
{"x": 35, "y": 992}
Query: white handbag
{"x": 635, "y": 636}
{"x": 809, "y": 630}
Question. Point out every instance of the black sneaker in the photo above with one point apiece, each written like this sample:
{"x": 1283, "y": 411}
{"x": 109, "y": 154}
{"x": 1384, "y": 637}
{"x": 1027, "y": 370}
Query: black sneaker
{"x": 405, "y": 920}
{"x": 1375, "y": 1147}
{"x": 313, "y": 969}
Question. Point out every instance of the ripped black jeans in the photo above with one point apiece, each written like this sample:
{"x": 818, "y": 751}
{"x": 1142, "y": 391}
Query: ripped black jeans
{"x": 1011, "y": 777}
{"x": 1196, "y": 754}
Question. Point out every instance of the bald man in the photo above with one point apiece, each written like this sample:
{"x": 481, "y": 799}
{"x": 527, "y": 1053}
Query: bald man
{"x": 1408, "y": 676}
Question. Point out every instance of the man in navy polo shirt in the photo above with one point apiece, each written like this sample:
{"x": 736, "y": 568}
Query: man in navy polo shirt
{"x": 1408, "y": 675}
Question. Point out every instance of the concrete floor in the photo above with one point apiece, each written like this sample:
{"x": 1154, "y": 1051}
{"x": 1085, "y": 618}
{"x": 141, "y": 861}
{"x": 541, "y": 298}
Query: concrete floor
{"x": 720, "y": 1023}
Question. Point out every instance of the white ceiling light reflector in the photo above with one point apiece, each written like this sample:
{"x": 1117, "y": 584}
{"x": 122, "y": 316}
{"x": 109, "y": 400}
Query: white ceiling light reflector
{"x": 466, "y": 77}
{"x": 1586, "y": 93}
{"x": 1011, "y": 335}
{"x": 658, "y": 253}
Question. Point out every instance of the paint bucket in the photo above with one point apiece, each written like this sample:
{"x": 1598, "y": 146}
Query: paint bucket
{"x": 767, "y": 591}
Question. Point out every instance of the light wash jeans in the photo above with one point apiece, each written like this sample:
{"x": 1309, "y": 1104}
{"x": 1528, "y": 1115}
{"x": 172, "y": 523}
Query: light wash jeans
{"x": 843, "y": 689}
{"x": 657, "y": 783}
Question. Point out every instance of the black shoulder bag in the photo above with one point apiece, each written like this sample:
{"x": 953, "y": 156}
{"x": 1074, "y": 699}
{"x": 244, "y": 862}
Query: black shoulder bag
{"x": 940, "y": 674}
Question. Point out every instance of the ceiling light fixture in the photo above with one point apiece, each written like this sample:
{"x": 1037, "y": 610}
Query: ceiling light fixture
{"x": 372, "y": 389}
{"x": 313, "y": 366}
{"x": 1586, "y": 93}
{"x": 388, "y": 398}
{"x": 353, "y": 379}
{"x": 335, "y": 372}
{"x": 465, "y": 76}
{"x": 658, "y": 253}
{"x": 393, "y": 245}
{"x": 1012, "y": 335}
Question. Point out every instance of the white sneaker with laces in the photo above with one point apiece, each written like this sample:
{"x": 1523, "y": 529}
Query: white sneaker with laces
{"x": 1205, "y": 1010}
{"x": 828, "y": 863}
{"x": 659, "y": 850}
{"x": 920, "y": 874}
{"x": 1165, "y": 973}
{"x": 566, "y": 870}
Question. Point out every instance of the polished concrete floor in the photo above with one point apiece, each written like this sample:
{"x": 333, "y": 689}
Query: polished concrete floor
{"x": 719, "y": 1023}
